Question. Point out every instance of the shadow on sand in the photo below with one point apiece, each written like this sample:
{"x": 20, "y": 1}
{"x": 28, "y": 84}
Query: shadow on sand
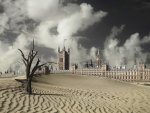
{"x": 48, "y": 94}
{"x": 10, "y": 89}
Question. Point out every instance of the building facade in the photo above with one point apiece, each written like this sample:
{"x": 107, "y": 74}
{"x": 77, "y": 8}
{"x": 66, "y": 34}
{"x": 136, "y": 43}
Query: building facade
{"x": 63, "y": 59}
{"x": 141, "y": 73}
{"x": 138, "y": 73}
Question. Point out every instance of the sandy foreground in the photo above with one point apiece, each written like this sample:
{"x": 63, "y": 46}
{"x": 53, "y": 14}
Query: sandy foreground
{"x": 74, "y": 94}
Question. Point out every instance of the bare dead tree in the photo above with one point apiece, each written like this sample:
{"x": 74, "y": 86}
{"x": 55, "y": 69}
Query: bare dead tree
{"x": 28, "y": 65}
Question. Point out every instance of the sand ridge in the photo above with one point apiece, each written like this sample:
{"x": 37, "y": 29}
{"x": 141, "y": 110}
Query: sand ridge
{"x": 50, "y": 98}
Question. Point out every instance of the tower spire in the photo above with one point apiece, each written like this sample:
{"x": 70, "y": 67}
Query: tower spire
{"x": 64, "y": 44}
{"x": 98, "y": 52}
{"x": 58, "y": 48}
{"x": 98, "y": 60}
{"x": 68, "y": 50}
{"x": 64, "y": 48}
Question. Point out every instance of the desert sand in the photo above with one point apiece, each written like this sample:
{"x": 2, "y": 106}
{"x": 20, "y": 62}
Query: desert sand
{"x": 74, "y": 94}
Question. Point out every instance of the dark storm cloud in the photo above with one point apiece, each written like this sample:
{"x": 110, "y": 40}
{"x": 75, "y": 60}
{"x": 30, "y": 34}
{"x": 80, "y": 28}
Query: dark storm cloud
{"x": 140, "y": 4}
{"x": 120, "y": 12}
{"x": 1, "y": 9}
{"x": 8, "y": 36}
{"x": 147, "y": 5}
{"x": 47, "y": 53}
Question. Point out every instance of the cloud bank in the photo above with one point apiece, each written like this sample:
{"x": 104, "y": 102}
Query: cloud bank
{"x": 51, "y": 23}
{"x": 54, "y": 23}
{"x": 129, "y": 53}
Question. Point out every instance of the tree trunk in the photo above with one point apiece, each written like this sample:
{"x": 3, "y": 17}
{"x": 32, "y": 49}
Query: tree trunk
{"x": 27, "y": 72}
{"x": 29, "y": 88}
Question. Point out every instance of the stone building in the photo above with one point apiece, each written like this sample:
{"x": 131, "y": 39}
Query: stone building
{"x": 141, "y": 73}
{"x": 138, "y": 73}
{"x": 98, "y": 59}
{"x": 63, "y": 59}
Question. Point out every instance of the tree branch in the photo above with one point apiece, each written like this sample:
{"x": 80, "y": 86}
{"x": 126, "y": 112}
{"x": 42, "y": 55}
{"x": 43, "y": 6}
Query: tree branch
{"x": 37, "y": 66}
{"x": 33, "y": 45}
{"x": 22, "y": 55}
{"x": 25, "y": 63}
{"x": 29, "y": 56}
{"x": 41, "y": 65}
{"x": 34, "y": 55}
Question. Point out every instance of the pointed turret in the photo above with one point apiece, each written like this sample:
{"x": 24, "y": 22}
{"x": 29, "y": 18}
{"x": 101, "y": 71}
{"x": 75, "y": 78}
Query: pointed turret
{"x": 68, "y": 50}
{"x": 58, "y": 49}
{"x": 98, "y": 52}
{"x": 98, "y": 60}
{"x": 64, "y": 49}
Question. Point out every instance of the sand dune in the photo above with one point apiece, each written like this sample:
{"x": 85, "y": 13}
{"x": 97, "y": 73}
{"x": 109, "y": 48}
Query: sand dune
{"x": 74, "y": 94}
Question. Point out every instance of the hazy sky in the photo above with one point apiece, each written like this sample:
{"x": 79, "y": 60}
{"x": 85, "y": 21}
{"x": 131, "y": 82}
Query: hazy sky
{"x": 120, "y": 28}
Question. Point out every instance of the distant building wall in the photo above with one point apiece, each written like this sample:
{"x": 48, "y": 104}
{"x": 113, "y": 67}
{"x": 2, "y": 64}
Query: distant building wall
{"x": 44, "y": 70}
{"x": 61, "y": 71}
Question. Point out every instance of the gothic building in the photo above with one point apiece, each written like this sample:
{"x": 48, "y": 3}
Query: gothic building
{"x": 63, "y": 60}
{"x": 98, "y": 59}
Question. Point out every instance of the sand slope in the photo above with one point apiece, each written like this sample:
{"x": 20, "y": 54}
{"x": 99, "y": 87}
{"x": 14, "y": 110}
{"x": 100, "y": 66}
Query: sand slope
{"x": 74, "y": 94}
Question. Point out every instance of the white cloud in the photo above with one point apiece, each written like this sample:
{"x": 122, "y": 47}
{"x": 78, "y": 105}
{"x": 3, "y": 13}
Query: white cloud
{"x": 3, "y": 22}
{"x": 128, "y": 53}
{"x": 72, "y": 21}
{"x": 66, "y": 20}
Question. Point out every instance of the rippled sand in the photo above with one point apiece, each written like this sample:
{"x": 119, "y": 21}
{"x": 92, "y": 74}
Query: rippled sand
{"x": 74, "y": 94}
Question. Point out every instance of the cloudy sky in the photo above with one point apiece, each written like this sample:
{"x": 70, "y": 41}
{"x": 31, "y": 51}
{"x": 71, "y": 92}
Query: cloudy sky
{"x": 120, "y": 28}
{"x": 134, "y": 14}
